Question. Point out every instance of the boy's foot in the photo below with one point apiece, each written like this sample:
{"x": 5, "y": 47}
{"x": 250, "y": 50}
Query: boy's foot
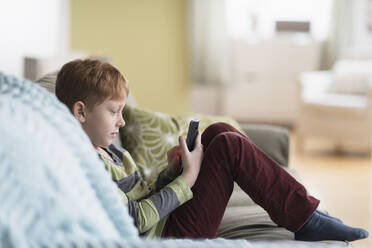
{"x": 321, "y": 227}
{"x": 324, "y": 214}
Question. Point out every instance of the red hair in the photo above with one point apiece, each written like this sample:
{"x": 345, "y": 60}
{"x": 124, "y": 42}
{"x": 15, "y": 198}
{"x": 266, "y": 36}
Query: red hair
{"x": 91, "y": 81}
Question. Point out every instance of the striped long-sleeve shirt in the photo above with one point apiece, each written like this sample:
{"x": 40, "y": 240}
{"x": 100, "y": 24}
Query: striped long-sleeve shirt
{"x": 149, "y": 208}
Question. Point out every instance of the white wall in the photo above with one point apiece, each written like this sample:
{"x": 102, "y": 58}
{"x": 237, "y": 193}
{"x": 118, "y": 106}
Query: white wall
{"x": 31, "y": 28}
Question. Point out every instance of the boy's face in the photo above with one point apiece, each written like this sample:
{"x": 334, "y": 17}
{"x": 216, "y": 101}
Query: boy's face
{"x": 103, "y": 121}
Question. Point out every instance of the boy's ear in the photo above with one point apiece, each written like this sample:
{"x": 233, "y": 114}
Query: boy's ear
{"x": 79, "y": 111}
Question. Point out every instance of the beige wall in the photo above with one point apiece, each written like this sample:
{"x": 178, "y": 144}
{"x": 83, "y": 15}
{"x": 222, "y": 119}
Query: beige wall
{"x": 147, "y": 41}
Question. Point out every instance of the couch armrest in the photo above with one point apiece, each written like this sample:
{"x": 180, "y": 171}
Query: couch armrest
{"x": 273, "y": 140}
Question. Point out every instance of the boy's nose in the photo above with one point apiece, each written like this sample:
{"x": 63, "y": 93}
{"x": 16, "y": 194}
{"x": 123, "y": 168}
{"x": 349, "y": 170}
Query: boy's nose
{"x": 121, "y": 122}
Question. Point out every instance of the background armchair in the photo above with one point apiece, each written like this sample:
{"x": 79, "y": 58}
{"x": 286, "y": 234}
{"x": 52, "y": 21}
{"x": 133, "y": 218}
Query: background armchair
{"x": 337, "y": 104}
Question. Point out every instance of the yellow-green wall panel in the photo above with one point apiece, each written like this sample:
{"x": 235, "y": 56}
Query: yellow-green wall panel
{"x": 146, "y": 40}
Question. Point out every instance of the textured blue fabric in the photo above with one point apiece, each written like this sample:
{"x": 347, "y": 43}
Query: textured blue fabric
{"x": 52, "y": 183}
{"x": 54, "y": 191}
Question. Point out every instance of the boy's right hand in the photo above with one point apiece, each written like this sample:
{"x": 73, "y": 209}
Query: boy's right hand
{"x": 191, "y": 161}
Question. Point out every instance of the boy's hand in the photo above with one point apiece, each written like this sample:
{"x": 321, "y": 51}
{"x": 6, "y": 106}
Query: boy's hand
{"x": 191, "y": 161}
{"x": 174, "y": 160}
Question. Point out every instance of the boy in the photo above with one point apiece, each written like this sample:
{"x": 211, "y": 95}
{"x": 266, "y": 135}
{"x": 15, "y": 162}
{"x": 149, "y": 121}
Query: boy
{"x": 189, "y": 203}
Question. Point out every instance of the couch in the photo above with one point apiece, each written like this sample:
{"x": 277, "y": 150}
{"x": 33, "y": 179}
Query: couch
{"x": 55, "y": 192}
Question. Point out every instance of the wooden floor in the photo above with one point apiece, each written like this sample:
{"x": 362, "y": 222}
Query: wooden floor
{"x": 342, "y": 181}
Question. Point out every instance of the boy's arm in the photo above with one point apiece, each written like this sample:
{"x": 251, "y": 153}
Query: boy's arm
{"x": 147, "y": 212}
{"x": 165, "y": 177}
{"x": 126, "y": 175}
{"x": 132, "y": 185}
{"x": 150, "y": 209}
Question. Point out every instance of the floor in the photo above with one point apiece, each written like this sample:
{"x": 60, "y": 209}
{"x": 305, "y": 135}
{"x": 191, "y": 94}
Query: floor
{"x": 342, "y": 181}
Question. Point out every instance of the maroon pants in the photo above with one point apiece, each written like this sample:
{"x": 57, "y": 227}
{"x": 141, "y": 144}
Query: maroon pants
{"x": 230, "y": 157}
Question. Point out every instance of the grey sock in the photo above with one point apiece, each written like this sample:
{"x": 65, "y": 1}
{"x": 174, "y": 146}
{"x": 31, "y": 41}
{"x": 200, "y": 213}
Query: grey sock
{"x": 321, "y": 227}
{"x": 324, "y": 214}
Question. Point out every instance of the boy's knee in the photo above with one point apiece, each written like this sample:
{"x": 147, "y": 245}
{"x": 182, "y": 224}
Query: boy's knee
{"x": 220, "y": 127}
{"x": 229, "y": 140}
{"x": 215, "y": 129}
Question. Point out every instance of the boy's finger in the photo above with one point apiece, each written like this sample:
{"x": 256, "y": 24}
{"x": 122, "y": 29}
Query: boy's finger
{"x": 169, "y": 153}
{"x": 174, "y": 160}
{"x": 178, "y": 160}
{"x": 198, "y": 139}
{"x": 177, "y": 150}
{"x": 173, "y": 151}
{"x": 183, "y": 146}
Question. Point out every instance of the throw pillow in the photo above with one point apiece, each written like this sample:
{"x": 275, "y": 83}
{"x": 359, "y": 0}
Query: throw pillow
{"x": 148, "y": 135}
{"x": 354, "y": 84}
{"x": 351, "y": 76}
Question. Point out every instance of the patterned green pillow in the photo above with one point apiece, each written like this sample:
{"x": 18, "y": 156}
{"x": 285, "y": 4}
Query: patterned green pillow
{"x": 148, "y": 136}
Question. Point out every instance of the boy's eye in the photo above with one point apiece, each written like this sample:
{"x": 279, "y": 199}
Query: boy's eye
{"x": 115, "y": 111}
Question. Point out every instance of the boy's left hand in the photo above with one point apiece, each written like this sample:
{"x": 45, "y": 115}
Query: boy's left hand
{"x": 174, "y": 160}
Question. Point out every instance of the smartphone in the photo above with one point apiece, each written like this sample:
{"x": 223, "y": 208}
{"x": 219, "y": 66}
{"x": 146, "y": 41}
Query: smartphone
{"x": 191, "y": 134}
